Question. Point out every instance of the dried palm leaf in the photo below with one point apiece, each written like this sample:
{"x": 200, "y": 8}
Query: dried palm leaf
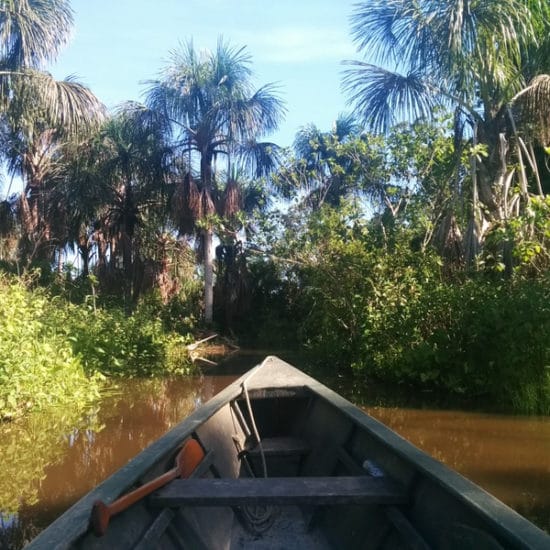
{"x": 448, "y": 240}
{"x": 232, "y": 199}
{"x": 207, "y": 204}
{"x": 186, "y": 205}
{"x": 534, "y": 106}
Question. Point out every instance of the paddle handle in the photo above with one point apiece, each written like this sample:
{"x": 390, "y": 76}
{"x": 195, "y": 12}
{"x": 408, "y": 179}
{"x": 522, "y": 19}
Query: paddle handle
{"x": 102, "y": 513}
{"x": 187, "y": 460}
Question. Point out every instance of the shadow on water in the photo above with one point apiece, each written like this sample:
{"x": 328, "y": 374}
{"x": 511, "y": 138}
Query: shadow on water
{"x": 237, "y": 363}
{"x": 53, "y": 458}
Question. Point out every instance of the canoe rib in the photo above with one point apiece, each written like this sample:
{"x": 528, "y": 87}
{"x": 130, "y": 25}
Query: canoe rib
{"x": 280, "y": 490}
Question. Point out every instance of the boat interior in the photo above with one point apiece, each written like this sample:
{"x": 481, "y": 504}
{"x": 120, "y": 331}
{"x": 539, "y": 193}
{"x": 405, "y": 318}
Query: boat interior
{"x": 288, "y": 468}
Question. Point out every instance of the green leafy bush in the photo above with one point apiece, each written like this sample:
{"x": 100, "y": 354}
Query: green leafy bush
{"x": 114, "y": 344}
{"x": 370, "y": 300}
{"x": 477, "y": 338}
{"x": 53, "y": 352}
{"x": 37, "y": 365}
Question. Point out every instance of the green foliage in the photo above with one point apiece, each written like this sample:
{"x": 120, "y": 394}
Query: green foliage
{"x": 273, "y": 320}
{"x": 361, "y": 268}
{"x": 56, "y": 352}
{"x": 180, "y": 315}
{"x": 114, "y": 344}
{"x": 32, "y": 444}
{"x": 531, "y": 236}
{"x": 477, "y": 338}
{"x": 37, "y": 365}
{"x": 359, "y": 293}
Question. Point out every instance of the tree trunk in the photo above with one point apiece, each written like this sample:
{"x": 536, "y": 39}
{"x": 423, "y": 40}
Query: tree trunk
{"x": 208, "y": 243}
{"x": 127, "y": 268}
{"x": 84, "y": 251}
{"x": 208, "y": 239}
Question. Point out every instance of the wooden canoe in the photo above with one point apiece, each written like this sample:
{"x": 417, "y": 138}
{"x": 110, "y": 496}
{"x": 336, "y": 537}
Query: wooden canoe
{"x": 324, "y": 475}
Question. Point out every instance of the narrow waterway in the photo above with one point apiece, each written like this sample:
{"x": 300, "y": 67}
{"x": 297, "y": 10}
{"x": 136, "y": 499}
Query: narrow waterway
{"x": 50, "y": 461}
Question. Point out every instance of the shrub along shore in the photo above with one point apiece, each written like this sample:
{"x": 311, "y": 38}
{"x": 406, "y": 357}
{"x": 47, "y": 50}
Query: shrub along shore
{"x": 54, "y": 352}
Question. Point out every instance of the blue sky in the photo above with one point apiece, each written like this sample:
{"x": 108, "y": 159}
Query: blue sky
{"x": 118, "y": 44}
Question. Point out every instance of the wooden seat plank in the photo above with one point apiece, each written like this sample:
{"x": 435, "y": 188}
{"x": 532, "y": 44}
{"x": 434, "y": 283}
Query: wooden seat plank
{"x": 280, "y": 446}
{"x": 279, "y": 490}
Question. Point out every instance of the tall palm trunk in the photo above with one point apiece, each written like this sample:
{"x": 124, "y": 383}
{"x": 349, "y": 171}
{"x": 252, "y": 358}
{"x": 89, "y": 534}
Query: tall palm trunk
{"x": 127, "y": 245}
{"x": 208, "y": 236}
{"x": 208, "y": 244}
{"x": 84, "y": 252}
{"x": 209, "y": 100}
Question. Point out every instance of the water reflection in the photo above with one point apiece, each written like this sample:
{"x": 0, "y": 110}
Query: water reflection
{"x": 129, "y": 421}
{"x": 509, "y": 456}
{"x": 50, "y": 462}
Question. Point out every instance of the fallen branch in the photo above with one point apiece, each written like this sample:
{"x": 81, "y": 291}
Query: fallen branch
{"x": 195, "y": 345}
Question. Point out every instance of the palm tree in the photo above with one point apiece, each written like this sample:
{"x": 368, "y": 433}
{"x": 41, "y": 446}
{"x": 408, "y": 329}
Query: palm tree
{"x": 325, "y": 168}
{"x": 32, "y": 33}
{"x": 38, "y": 114}
{"x": 473, "y": 58}
{"x": 329, "y": 166}
{"x": 214, "y": 111}
{"x": 34, "y": 147}
{"x": 115, "y": 187}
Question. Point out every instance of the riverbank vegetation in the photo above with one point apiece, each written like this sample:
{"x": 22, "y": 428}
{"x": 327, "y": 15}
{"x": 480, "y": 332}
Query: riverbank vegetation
{"x": 54, "y": 352}
{"x": 408, "y": 243}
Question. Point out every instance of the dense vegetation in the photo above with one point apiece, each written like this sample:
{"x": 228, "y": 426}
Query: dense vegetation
{"x": 410, "y": 242}
{"x": 54, "y": 352}
{"x": 392, "y": 313}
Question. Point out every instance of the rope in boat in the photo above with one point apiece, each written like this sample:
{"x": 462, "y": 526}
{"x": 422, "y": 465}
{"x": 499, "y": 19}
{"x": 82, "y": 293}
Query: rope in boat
{"x": 251, "y": 414}
{"x": 259, "y": 518}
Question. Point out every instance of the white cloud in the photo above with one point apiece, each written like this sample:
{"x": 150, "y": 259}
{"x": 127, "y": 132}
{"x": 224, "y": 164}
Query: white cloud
{"x": 300, "y": 44}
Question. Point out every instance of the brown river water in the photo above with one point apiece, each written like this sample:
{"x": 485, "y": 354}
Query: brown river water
{"x": 50, "y": 461}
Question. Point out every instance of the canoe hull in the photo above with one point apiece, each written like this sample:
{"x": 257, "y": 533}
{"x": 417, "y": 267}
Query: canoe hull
{"x": 308, "y": 432}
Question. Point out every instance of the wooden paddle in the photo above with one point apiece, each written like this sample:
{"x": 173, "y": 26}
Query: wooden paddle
{"x": 187, "y": 460}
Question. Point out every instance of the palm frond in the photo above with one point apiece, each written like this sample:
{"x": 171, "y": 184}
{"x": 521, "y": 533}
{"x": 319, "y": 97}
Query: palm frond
{"x": 29, "y": 96}
{"x": 144, "y": 120}
{"x": 230, "y": 66}
{"x": 380, "y": 96}
{"x": 71, "y": 105}
{"x": 33, "y": 31}
{"x": 345, "y": 126}
{"x": 259, "y": 158}
{"x": 373, "y": 30}
{"x": 307, "y": 140}
{"x": 260, "y": 113}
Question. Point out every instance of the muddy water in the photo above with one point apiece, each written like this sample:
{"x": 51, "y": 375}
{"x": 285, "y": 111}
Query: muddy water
{"x": 508, "y": 456}
{"x": 49, "y": 463}
{"x": 128, "y": 420}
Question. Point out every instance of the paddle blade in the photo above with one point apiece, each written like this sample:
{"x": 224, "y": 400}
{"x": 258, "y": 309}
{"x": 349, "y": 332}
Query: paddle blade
{"x": 190, "y": 456}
